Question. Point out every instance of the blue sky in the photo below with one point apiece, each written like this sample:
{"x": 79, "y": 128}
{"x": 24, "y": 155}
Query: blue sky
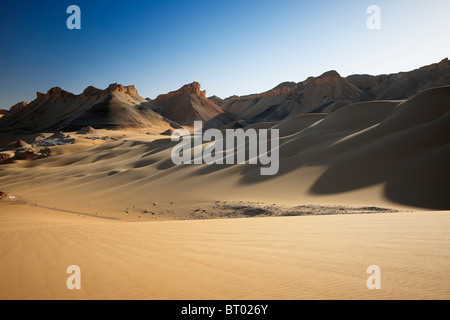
{"x": 230, "y": 47}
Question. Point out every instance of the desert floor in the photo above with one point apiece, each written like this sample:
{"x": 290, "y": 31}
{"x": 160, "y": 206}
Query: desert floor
{"x": 302, "y": 257}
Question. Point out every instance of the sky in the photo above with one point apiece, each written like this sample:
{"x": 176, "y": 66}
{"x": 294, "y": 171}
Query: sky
{"x": 230, "y": 47}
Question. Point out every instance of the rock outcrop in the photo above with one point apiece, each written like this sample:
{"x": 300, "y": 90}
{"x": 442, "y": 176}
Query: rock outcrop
{"x": 87, "y": 130}
{"x": 117, "y": 106}
{"x": 55, "y": 92}
{"x": 189, "y": 104}
{"x": 18, "y": 106}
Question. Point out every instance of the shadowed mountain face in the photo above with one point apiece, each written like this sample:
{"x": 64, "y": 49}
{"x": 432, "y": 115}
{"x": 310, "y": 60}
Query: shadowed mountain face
{"x": 189, "y": 104}
{"x": 115, "y": 107}
{"x": 330, "y": 92}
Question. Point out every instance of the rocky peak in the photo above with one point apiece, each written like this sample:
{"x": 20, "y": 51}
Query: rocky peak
{"x": 328, "y": 77}
{"x": 285, "y": 85}
{"x": 193, "y": 88}
{"x": 112, "y": 88}
{"x": 118, "y": 88}
{"x": 91, "y": 91}
{"x": 444, "y": 62}
{"x": 19, "y": 106}
{"x": 215, "y": 99}
{"x": 435, "y": 67}
{"x": 55, "y": 92}
{"x": 333, "y": 74}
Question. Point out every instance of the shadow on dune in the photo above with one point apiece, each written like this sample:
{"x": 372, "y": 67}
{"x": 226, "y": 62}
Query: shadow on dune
{"x": 428, "y": 186}
{"x": 408, "y": 150}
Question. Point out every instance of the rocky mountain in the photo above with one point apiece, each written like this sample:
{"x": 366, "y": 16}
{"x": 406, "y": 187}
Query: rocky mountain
{"x": 216, "y": 100}
{"x": 330, "y": 92}
{"x": 189, "y": 104}
{"x": 117, "y": 106}
{"x": 403, "y": 85}
{"x": 121, "y": 106}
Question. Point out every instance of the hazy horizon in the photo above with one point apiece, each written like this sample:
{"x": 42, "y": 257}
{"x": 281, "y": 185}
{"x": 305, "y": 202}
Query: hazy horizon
{"x": 230, "y": 48}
